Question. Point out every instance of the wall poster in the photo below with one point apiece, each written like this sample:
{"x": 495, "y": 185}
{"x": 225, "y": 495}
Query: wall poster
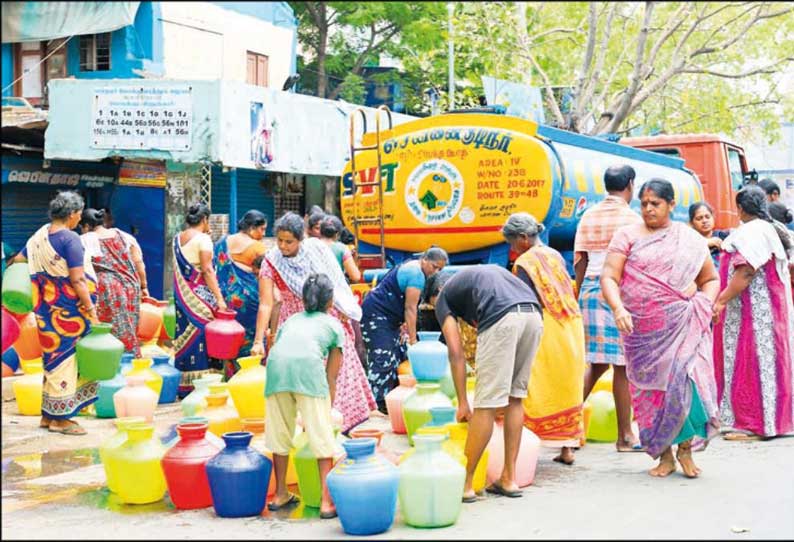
{"x": 261, "y": 140}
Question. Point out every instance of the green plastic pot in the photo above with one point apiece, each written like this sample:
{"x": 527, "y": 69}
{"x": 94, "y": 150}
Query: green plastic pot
{"x": 99, "y": 353}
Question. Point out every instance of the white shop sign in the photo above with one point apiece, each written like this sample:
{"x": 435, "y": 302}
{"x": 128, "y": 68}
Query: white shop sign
{"x": 142, "y": 118}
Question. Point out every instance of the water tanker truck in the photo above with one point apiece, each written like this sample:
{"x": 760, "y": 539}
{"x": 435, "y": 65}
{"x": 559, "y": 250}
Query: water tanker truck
{"x": 452, "y": 180}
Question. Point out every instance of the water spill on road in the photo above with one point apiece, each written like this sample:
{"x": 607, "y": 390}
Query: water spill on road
{"x": 28, "y": 467}
{"x": 297, "y": 512}
{"x": 104, "y": 499}
{"x": 23, "y": 488}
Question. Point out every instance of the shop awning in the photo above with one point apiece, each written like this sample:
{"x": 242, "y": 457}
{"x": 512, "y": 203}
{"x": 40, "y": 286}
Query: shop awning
{"x": 39, "y": 21}
{"x": 23, "y": 125}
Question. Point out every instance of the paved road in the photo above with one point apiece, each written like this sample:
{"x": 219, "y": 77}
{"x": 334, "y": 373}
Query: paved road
{"x": 52, "y": 487}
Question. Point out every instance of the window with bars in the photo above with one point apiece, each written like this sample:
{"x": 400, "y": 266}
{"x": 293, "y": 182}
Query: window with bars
{"x": 95, "y": 52}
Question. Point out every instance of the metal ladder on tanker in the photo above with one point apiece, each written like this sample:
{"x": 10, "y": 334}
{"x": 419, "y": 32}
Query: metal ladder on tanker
{"x": 368, "y": 261}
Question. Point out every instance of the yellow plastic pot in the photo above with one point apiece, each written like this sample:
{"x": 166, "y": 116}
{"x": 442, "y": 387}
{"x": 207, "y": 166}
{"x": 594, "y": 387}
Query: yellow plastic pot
{"x": 223, "y": 418}
{"x": 247, "y": 388}
{"x": 458, "y": 432}
{"x": 136, "y": 466}
{"x": 605, "y": 382}
{"x": 28, "y": 388}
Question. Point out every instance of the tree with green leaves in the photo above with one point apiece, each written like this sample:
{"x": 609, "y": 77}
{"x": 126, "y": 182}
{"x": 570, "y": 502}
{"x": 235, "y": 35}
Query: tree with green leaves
{"x": 674, "y": 64}
{"x": 344, "y": 37}
{"x": 604, "y": 67}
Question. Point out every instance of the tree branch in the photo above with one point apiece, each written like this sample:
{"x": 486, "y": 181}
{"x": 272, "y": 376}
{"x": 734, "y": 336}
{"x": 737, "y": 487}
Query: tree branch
{"x": 739, "y": 35}
{"x": 766, "y": 69}
{"x": 536, "y": 37}
{"x": 583, "y": 99}
{"x": 523, "y": 40}
{"x": 636, "y": 76}
{"x": 332, "y": 19}
{"x": 391, "y": 29}
{"x": 312, "y": 9}
{"x": 588, "y": 56}
{"x": 722, "y": 109}
{"x": 600, "y": 101}
{"x": 720, "y": 27}
{"x": 675, "y": 23}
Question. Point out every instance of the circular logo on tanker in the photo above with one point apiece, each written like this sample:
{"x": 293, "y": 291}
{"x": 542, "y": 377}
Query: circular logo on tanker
{"x": 434, "y": 192}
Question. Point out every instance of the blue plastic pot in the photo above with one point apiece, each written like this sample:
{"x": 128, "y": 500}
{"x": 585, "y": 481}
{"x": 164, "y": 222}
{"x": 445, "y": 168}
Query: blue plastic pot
{"x": 441, "y": 416}
{"x": 11, "y": 358}
{"x": 126, "y": 363}
{"x": 107, "y": 389}
{"x": 239, "y": 476}
{"x": 429, "y": 360}
{"x": 364, "y": 489}
{"x": 171, "y": 378}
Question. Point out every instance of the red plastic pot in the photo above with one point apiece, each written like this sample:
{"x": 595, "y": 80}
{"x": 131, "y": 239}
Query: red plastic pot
{"x": 224, "y": 335}
{"x": 184, "y": 466}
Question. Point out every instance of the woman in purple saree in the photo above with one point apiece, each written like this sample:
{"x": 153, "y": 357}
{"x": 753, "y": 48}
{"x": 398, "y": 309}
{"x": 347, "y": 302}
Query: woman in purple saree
{"x": 660, "y": 282}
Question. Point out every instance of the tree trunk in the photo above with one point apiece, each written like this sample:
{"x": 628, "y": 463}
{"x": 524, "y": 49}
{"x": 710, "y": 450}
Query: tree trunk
{"x": 322, "y": 47}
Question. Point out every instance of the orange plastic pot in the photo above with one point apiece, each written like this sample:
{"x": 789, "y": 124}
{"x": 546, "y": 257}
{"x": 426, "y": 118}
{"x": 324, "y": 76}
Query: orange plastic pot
{"x": 151, "y": 318}
{"x": 27, "y": 345}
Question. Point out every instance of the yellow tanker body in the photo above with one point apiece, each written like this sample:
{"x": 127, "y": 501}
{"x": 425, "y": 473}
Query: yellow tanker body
{"x": 451, "y": 181}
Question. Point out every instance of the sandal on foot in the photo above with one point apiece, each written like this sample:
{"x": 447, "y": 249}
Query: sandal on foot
{"x": 470, "y": 498}
{"x": 736, "y": 436}
{"x": 71, "y": 429}
{"x": 45, "y": 423}
{"x": 273, "y": 507}
{"x": 328, "y": 515}
{"x": 497, "y": 489}
{"x": 636, "y": 447}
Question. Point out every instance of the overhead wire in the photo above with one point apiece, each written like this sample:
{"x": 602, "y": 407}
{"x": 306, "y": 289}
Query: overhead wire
{"x": 18, "y": 79}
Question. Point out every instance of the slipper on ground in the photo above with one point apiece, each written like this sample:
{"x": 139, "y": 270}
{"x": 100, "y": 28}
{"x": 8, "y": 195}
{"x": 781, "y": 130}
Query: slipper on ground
{"x": 497, "y": 489}
{"x": 273, "y": 507}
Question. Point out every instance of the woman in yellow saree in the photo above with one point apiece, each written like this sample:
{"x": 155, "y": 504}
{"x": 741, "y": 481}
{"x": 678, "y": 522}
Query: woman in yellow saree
{"x": 553, "y": 406}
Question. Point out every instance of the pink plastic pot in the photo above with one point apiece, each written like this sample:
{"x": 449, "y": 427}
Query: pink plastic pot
{"x": 10, "y": 329}
{"x": 224, "y": 335}
{"x": 135, "y": 399}
{"x": 394, "y": 403}
{"x": 527, "y": 455}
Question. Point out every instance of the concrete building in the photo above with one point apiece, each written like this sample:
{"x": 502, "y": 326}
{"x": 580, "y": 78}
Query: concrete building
{"x": 102, "y": 43}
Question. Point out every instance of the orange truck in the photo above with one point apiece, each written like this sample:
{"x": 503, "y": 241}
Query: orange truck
{"x": 721, "y": 167}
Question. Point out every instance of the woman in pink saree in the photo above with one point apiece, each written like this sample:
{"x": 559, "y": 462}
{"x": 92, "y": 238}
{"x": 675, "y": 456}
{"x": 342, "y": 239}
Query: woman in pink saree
{"x": 660, "y": 283}
{"x": 754, "y": 342}
{"x": 285, "y": 269}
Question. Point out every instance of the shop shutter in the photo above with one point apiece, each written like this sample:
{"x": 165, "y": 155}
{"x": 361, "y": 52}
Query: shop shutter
{"x": 25, "y": 209}
{"x": 251, "y": 194}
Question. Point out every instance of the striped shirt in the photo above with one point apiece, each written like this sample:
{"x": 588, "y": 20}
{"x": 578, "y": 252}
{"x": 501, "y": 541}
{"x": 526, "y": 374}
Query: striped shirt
{"x": 596, "y": 228}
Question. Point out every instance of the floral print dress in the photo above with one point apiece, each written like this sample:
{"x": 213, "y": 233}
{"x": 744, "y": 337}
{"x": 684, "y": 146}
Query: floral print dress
{"x": 118, "y": 291}
{"x": 354, "y": 399}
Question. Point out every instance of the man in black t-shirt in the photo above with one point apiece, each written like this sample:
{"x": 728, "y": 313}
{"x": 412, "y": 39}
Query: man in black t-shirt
{"x": 507, "y": 315}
